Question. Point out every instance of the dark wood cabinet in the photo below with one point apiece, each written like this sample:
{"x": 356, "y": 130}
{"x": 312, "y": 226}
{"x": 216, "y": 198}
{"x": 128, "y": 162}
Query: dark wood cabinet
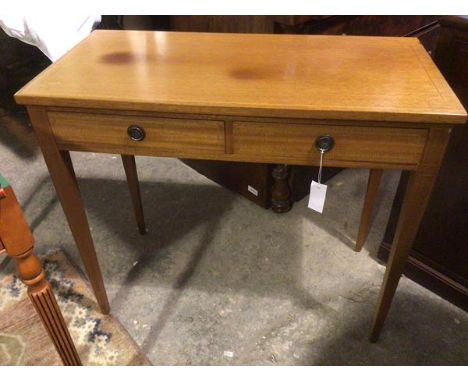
{"x": 439, "y": 257}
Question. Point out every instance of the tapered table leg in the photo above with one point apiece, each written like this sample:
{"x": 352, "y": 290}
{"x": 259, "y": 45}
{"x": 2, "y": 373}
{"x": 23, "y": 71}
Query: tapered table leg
{"x": 417, "y": 196}
{"x": 134, "y": 188}
{"x": 375, "y": 175}
{"x": 62, "y": 174}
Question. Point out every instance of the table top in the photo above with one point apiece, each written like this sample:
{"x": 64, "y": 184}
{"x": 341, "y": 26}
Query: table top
{"x": 320, "y": 77}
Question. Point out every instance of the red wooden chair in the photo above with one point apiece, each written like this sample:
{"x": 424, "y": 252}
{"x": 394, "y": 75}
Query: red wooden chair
{"x": 16, "y": 239}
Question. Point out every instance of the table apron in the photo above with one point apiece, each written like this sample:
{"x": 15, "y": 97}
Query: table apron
{"x": 241, "y": 141}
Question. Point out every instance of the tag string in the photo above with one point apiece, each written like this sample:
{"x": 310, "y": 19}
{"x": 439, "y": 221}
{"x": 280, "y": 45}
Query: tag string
{"x": 319, "y": 177}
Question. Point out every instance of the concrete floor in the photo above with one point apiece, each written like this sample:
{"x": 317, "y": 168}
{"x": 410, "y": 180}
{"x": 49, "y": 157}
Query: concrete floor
{"x": 220, "y": 281}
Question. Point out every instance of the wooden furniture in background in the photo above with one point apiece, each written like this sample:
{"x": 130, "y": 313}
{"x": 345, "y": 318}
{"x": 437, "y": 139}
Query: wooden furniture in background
{"x": 225, "y": 100}
{"x": 17, "y": 240}
{"x": 438, "y": 257}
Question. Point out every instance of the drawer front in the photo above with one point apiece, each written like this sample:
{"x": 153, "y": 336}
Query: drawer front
{"x": 354, "y": 146}
{"x": 163, "y": 136}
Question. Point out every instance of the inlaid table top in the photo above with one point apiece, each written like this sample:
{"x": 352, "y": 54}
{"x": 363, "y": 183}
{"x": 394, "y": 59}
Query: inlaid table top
{"x": 321, "y": 77}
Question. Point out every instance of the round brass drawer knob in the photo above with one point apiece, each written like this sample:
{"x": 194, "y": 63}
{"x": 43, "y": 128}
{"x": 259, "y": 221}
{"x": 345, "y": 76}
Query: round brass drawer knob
{"x": 324, "y": 143}
{"x": 136, "y": 133}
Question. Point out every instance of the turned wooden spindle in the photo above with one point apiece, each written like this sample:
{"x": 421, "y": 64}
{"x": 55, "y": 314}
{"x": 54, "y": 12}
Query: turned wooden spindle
{"x": 17, "y": 240}
{"x": 280, "y": 193}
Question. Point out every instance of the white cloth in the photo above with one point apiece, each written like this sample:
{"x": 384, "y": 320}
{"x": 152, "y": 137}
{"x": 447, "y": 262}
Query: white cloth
{"x": 53, "y": 36}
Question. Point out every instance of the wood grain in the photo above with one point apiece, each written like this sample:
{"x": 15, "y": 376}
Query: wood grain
{"x": 295, "y": 144}
{"x": 382, "y": 99}
{"x": 63, "y": 176}
{"x": 417, "y": 195}
{"x": 228, "y": 137}
{"x": 441, "y": 264}
{"x": 375, "y": 175}
{"x": 331, "y": 77}
{"x": 164, "y": 136}
{"x": 131, "y": 173}
{"x": 263, "y": 142}
{"x": 16, "y": 238}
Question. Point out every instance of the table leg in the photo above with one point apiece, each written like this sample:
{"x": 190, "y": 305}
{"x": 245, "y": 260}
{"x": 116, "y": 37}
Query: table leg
{"x": 375, "y": 175}
{"x": 280, "y": 193}
{"x": 134, "y": 188}
{"x": 417, "y": 196}
{"x": 63, "y": 176}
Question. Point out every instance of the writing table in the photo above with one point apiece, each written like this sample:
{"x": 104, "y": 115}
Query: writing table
{"x": 249, "y": 98}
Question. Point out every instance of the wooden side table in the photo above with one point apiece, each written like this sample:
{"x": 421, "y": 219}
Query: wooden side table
{"x": 246, "y": 98}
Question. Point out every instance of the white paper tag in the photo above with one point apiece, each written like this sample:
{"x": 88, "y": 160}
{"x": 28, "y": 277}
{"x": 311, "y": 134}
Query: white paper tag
{"x": 252, "y": 190}
{"x": 317, "y": 195}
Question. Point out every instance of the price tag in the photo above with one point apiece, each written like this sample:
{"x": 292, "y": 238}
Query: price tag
{"x": 317, "y": 195}
{"x": 252, "y": 190}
